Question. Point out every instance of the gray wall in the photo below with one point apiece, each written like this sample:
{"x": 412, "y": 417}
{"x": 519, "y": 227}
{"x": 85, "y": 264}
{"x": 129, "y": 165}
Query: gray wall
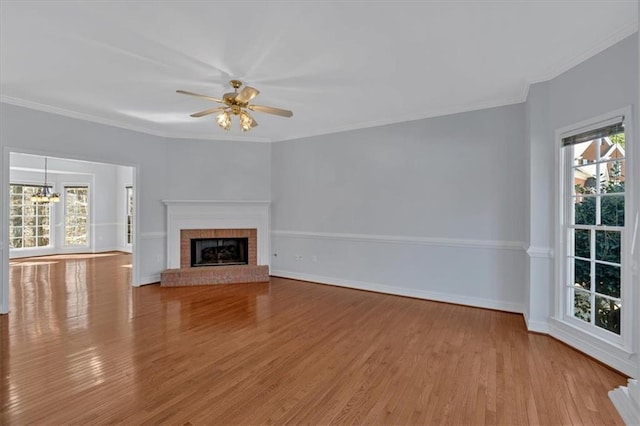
{"x": 167, "y": 169}
{"x": 605, "y": 82}
{"x": 599, "y": 85}
{"x": 430, "y": 208}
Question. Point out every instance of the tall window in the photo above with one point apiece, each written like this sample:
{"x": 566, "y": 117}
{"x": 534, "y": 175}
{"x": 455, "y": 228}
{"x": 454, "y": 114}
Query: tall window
{"x": 129, "y": 198}
{"x": 594, "y": 228}
{"x": 76, "y": 215}
{"x": 29, "y": 223}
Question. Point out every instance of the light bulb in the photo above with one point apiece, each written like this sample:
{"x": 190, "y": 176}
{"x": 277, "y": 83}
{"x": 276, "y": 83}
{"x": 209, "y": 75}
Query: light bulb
{"x": 246, "y": 121}
{"x": 224, "y": 120}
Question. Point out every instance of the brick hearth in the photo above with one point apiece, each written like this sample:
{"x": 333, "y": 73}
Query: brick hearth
{"x": 208, "y": 275}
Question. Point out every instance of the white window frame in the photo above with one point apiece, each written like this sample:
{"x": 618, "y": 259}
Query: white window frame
{"x": 564, "y": 208}
{"x": 128, "y": 188}
{"x": 64, "y": 214}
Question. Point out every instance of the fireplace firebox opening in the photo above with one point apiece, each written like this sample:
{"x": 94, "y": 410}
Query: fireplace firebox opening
{"x": 219, "y": 251}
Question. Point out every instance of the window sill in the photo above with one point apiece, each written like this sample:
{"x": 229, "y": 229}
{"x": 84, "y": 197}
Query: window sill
{"x": 614, "y": 355}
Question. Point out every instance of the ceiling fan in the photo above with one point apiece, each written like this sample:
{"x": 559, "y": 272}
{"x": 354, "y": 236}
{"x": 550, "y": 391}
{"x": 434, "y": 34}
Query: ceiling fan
{"x": 236, "y": 103}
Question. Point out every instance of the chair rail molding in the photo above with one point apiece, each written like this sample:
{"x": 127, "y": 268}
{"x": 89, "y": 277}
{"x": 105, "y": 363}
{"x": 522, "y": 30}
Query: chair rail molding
{"x": 403, "y": 239}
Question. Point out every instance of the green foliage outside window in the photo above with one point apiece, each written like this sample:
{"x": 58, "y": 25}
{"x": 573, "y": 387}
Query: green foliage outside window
{"x": 608, "y": 249}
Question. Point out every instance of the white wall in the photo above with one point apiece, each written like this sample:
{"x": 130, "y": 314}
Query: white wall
{"x": 431, "y": 208}
{"x": 165, "y": 169}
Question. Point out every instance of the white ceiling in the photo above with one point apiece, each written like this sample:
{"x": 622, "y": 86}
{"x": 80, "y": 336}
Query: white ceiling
{"x": 337, "y": 65}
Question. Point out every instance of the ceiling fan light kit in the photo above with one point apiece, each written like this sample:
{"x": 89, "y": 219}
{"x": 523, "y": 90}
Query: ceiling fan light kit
{"x": 236, "y": 103}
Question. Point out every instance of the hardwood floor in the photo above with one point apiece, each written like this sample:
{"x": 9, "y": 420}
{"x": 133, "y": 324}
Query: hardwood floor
{"x": 80, "y": 346}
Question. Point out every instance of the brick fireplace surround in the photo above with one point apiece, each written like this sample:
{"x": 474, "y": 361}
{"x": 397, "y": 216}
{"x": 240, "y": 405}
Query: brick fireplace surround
{"x": 187, "y": 275}
{"x": 188, "y": 219}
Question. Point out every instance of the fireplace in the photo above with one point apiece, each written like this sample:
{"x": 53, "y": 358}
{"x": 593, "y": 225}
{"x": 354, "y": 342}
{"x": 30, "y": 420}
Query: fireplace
{"x": 216, "y": 220}
{"x": 219, "y": 251}
{"x": 216, "y": 256}
{"x": 222, "y": 247}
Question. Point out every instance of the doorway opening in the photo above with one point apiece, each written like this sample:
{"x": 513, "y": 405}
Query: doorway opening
{"x": 93, "y": 216}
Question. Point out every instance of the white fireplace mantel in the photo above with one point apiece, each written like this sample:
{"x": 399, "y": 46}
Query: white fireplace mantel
{"x": 203, "y": 214}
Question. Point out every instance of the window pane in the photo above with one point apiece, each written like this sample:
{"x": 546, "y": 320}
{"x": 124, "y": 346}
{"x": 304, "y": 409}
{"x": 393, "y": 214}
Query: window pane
{"x": 582, "y": 274}
{"x": 28, "y": 209}
{"x": 582, "y": 305}
{"x": 608, "y": 246}
{"x": 76, "y": 215}
{"x": 608, "y": 314}
{"x": 29, "y": 231}
{"x": 582, "y": 243}
{"x": 15, "y": 243}
{"x": 608, "y": 280}
{"x": 612, "y": 176}
{"x": 612, "y": 210}
{"x": 584, "y": 210}
{"x": 585, "y": 152}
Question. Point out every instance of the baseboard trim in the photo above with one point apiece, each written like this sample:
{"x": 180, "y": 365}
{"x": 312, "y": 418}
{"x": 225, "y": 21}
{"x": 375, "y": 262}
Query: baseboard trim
{"x": 150, "y": 279}
{"x": 401, "y": 291}
{"x": 63, "y": 251}
{"x": 535, "y": 326}
{"x": 607, "y": 353}
{"x": 626, "y": 399}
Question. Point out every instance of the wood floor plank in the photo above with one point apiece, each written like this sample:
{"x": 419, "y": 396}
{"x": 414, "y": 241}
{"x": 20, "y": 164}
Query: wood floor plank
{"x": 81, "y": 346}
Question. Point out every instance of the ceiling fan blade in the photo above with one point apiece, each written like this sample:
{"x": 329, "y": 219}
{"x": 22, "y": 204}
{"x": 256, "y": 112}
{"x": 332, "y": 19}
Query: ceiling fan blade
{"x": 271, "y": 110}
{"x": 184, "y": 92}
{"x": 246, "y": 94}
{"x": 208, "y": 111}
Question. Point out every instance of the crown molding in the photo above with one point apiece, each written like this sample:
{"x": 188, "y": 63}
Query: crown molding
{"x": 439, "y": 112}
{"x": 119, "y": 124}
{"x": 198, "y": 136}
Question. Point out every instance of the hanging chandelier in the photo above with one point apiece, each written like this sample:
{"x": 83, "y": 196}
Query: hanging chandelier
{"x": 44, "y": 195}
